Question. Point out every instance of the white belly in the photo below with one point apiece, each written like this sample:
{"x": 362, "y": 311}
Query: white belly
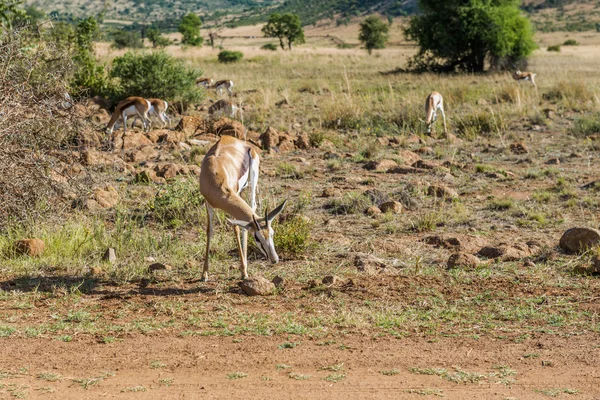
{"x": 243, "y": 182}
{"x": 129, "y": 111}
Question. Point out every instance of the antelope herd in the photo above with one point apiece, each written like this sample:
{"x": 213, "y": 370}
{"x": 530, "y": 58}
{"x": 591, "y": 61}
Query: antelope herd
{"x": 232, "y": 164}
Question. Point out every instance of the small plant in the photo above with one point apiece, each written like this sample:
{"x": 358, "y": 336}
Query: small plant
{"x": 227, "y": 56}
{"x": 269, "y": 46}
{"x": 298, "y": 377}
{"x": 571, "y": 42}
{"x": 155, "y": 364}
{"x": 49, "y": 376}
{"x": 586, "y": 126}
{"x": 288, "y": 171}
{"x": 316, "y": 139}
{"x": 390, "y": 372}
{"x": 335, "y": 377}
{"x": 133, "y": 389}
{"x": 237, "y": 375}
{"x": 288, "y": 345}
{"x": 501, "y": 204}
{"x": 351, "y": 203}
{"x": 293, "y": 235}
{"x": 165, "y": 382}
{"x": 555, "y": 48}
{"x": 179, "y": 203}
{"x": 279, "y": 367}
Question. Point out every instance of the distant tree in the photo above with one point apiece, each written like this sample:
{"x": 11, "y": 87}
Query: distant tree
{"x": 286, "y": 26}
{"x": 463, "y": 34}
{"x": 190, "y": 29}
{"x": 123, "y": 39}
{"x": 373, "y": 33}
{"x": 155, "y": 37}
{"x": 34, "y": 14}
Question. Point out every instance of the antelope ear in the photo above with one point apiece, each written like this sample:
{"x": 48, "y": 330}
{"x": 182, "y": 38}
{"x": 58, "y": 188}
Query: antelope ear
{"x": 241, "y": 224}
{"x": 271, "y": 216}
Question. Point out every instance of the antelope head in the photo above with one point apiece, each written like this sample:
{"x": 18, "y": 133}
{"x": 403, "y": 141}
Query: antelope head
{"x": 263, "y": 232}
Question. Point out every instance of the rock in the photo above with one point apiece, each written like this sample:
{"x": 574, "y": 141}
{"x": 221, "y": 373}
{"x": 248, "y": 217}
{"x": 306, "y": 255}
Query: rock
{"x": 425, "y": 150}
{"x": 200, "y": 143}
{"x": 95, "y": 271}
{"x": 372, "y": 211}
{"x": 313, "y": 283}
{"x": 155, "y": 134}
{"x": 110, "y": 255}
{"x": 394, "y": 207}
{"x": 228, "y": 127}
{"x": 302, "y": 141}
{"x": 286, "y": 144}
{"x": 147, "y": 176}
{"x": 408, "y": 157}
{"x": 578, "y": 240}
{"x": 330, "y": 280}
{"x": 369, "y": 263}
{"x": 519, "y": 148}
{"x": 173, "y": 137}
{"x": 279, "y": 282}
{"x": 100, "y": 117}
{"x": 595, "y": 267}
{"x": 282, "y": 103}
{"x": 88, "y": 138}
{"x": 380, "y": 166}
{"x": 192, "y": 125}
{"x": 131, "y": 140}
{"x": 404, "y": 170}
{"x": 143, "y": 154}
{"x": 442, "y": 192}
{"x": 106, "y": 197}
{"x": 458, "y": 243}
{"x": 170, "y": 170}
{"x": 29, "y": 247}
{"x": 428, "y": 165}
{"x": 462, "y": 260}
{"x": 270, "y": 138}
{"x": 505, "y": 252}
{"x": 383, "y": 141}
{"x": 159, "y": 267}
{"x": 274, "y": 140}
{"x": 91, "y": 157}
{"x": 553, "y": 161}
{"x": 257, "y": 286}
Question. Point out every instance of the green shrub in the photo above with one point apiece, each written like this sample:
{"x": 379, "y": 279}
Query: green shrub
{"x": 351, "y": 203}
{"x": 571, "y": 42}
{"x": 158, "y": 75}
{"x": 125, "y": 39}
{"x": 316, "y": 139}
{"x": 586, "y": 125}
{"x": 269, "y": 46}
{"x": 178, "y": 204}
{"x": 227, "y": 56}
{"x": 483, "y": 122}
{"x": 292, "y": 235}
{"x": 555, "y": 47}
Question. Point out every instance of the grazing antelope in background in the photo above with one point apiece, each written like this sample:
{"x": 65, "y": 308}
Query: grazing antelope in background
{"x": 224, "y": 107}
{"x": 137, "y": 106}
{"x": 524, "y": 76}
{"x": 158, "y": 108}
{"x": 225, "y": 84}
{"x": 434, "y": 103}
{"x": 206, "y": 82}
{"x": 226, "y": 170}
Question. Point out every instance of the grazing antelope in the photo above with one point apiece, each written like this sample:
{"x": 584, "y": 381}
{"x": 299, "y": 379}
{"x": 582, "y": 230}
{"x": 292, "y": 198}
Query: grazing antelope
{"x": 158, "y": 108}
{"x": 223, "y": 107}
{"x": 206, "y": 82}
{"x": 130, "y": 106}
{"x": 225, "y": 84}
{"x": 434, "y": 103}
{"x": 226, "y": 170}
{"x": 524, "y": 76}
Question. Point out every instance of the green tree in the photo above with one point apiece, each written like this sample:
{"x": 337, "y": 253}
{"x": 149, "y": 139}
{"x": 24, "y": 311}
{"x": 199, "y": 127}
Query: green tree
{"x": 373, "y": 33}
{"x": 463, "y": 34}
{"x": 190, "y": 29}
{"x": 89, "y": 75}
{"x": 123, "y": 39}
{"x": 284, "y": 26}
{"x": 155, "y": 37}
{"x": 10, "y": 13}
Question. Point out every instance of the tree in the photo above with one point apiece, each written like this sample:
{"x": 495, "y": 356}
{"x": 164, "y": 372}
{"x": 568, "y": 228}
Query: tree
{"x": 10, "y": 13}
{"x": 156, "y": 38}
{"x": 463, "y": 34}
{"x": 123, "y": 39}
{"x": 190, "y": 29}
{"x": 286, "y": 26}
{"x": 373, "y": 33}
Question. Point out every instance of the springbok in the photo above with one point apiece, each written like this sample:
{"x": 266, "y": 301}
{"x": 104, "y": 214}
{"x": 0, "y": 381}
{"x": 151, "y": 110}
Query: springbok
{"x": 137, "y": 106}
{"x": 434, "y": 103}
{"x": 524, "y": 76}
{"x": 224, "y": 107}
{"x": 158, "y": 108}
{"x": 226, "y": 170}
{"x": 225, "y": 84}
{"x": 206, "y": 82}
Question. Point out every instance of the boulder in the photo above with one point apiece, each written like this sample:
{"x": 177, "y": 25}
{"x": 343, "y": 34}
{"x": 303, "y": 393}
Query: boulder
{"x": 279, "y": 282}
{"x": 172, "y": 136}
{"x": 130, "y": 140}
{"x": 106, "y": 197}
{"x": 29, "y": 247}
{"x": 394, "y": 207}
{"x": 280, "y": 141}
{"x": 270, "y": 138}
{"x": 519, "y": 148}
{"x": 170, "y": 170}
{"x": 110, "y": 255}
{"x": 192, "y": 125}
{"x": 578, "y": 240}
{"x": 148, "y": 175}
{"x": 257, "y": 286}
{"x": 330, "y": 280}
{"x": 408, "y": 157}
{"x": 229, "y": 127}
{"x": 302, "y": 141}
{"x": 462, "y": 260}
{"x": 380, "y": 166}
{"x": 373, "y": 210}
{"x": 142, "y": 154}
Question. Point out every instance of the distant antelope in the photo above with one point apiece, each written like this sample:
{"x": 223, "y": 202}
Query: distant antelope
{"x": 137, "y": 106}
{"x": 158, "y": 108}
{"x": 224, "y": 107}
{"x": 225, "y": 84}
{"x": 433, "y": 103}
{"x": 226, "y": 170}
{"x": 524, "y": 76}
{"x": 206, "y": 82}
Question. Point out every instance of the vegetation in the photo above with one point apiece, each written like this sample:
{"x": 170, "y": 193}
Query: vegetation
{"x": 190, "y": 30}
{"x": 455, "y": 35}
{"x": 155, "y": 37}
{"x": 373, "y": 33}
{"x": 269, "y": 46}
{"x": 284, "y": 27}
{"x": 124, "y": 39}
{"x": 227, "y": 56}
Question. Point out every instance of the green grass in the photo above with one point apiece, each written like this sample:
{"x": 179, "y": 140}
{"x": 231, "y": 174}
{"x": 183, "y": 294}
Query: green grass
{"x": 237, "y": 375}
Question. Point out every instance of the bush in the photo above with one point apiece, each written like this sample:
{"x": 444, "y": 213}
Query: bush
{"x": 123, "y": 39}
{"x": 587, "y": 125}
{"x": 556, "y": 48}
{"x": 180, "y": 203}
{"x": 158, "y": 75}
{"x": 269, "y": 46}
{"x": 227, "y": 56}
{"x": 571, "y": 42}
{"x": 292, "y": 235}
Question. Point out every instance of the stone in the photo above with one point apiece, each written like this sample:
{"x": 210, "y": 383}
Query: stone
{"x": 270, "y": 138}
{"x": 302, "y": 141}
{"x": 100, "y": 117}
{"x": 91, "y": 157}
{"x": 330, "y": 280}
{"x": 369, "y": 263}
{"x": 408, "y": 157}
{"x": 132, "y": 140}
{"x": 286, "y": 144}
{"x": 279, "y": 282}
{"x": 428, "y": 165}
{"x": 462, "y": 260}
{"x": 578, "y": 240}
{"x": 553, "y": 161}
{"x": 29, "y": 247}
{"x": 394, "y": 207}
{"x": 106, "y": 197}
{"x": 228, "y": 127}
{"x": 457, "y": 243}
{"x": 425, "y": 150}
{"x": 505, "y": 252}
{"x": 380, "y": 166}
{"x": 257, "y": 286}
{"x": 170, "y": 170}
{"x": 313, "y": 283}
{"x": 372, "y": 211}
{"x": 192, "y": 125}
{"x": 95, "y": 271}
{"x": 159, "y": 267}
{"x": 142, "y": 154}
{"x": 173, "y": 137}
{"x": 442, "y": 192}
{"x": 404, "y": 170}
{"x": 519, "y": 148}
{"x": 595, "y": 267}
{"x": 110, "y": 255}
{"x": 147, "y": 176}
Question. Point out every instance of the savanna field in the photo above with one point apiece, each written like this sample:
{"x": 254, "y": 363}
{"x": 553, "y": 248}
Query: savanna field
{"x": 412, "y": 265}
